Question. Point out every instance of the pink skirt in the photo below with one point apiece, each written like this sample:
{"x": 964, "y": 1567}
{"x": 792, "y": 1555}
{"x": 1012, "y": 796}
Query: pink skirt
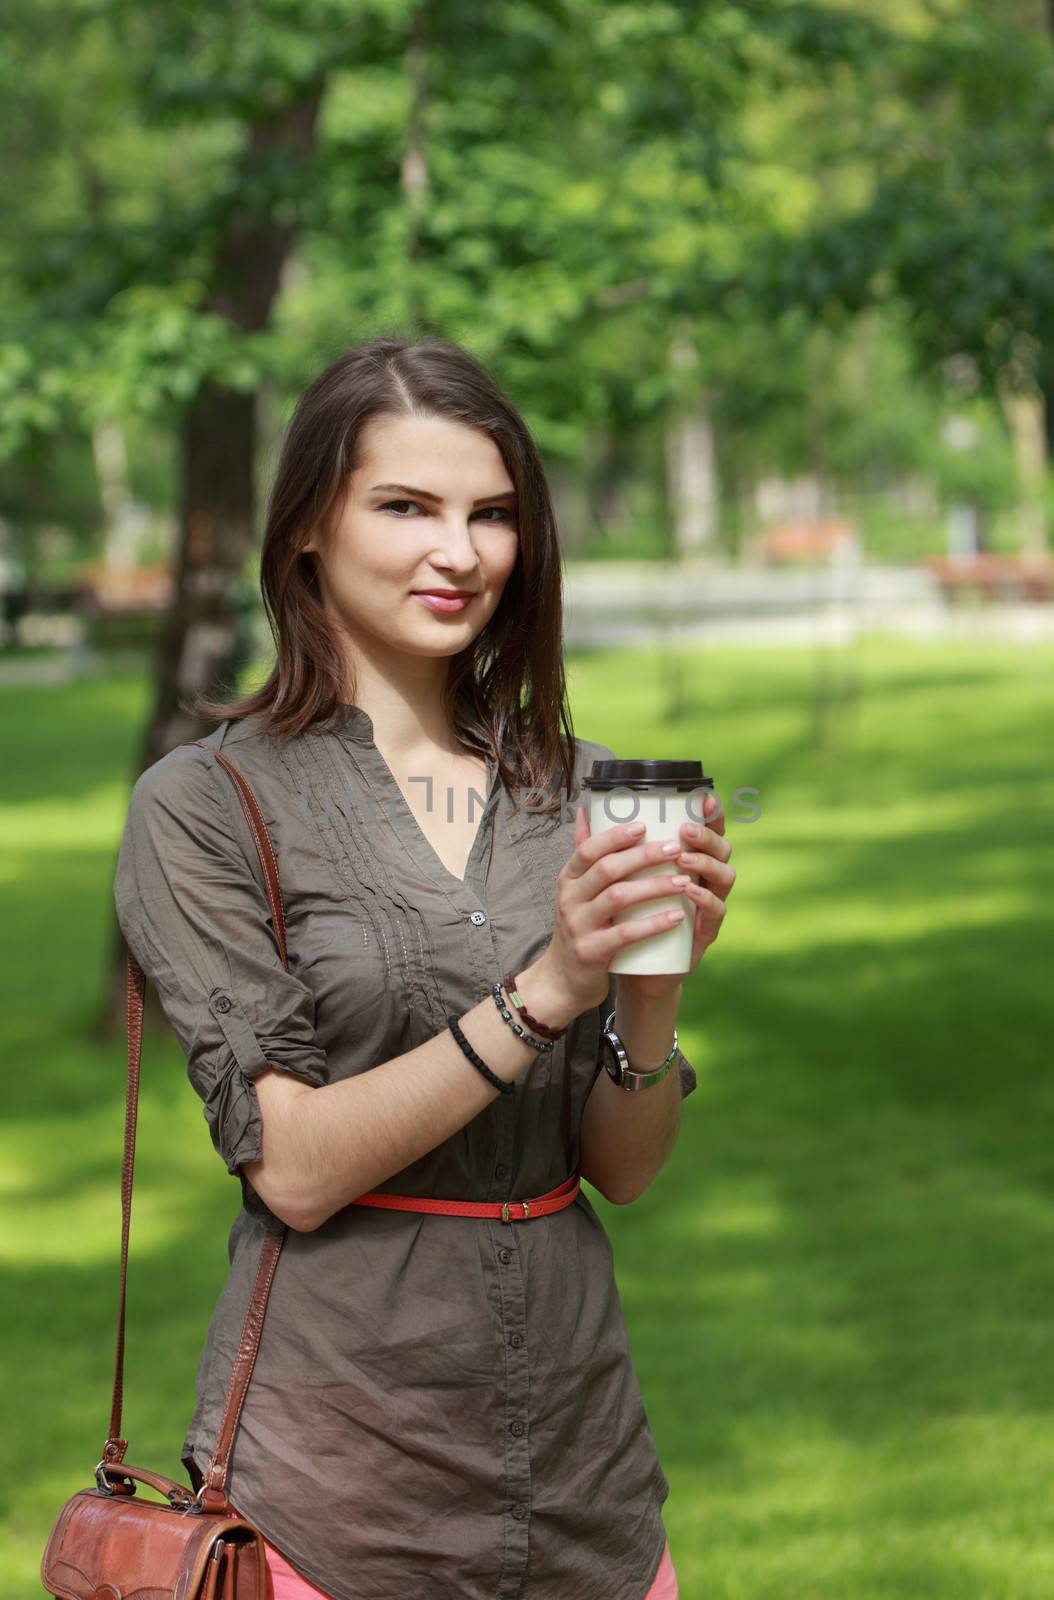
{"x": 288, "y": 1584}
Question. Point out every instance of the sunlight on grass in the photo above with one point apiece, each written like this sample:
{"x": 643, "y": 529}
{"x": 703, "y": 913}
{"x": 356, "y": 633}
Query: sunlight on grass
{"x": 49, "y": 1238}
{"x": 976, "y": 909}
{"x": 739, "y": 1217}
{"x": 44, "y": 826}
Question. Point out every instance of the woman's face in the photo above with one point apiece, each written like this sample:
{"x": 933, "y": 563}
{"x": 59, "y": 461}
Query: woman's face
{"x": 432, "y": 506}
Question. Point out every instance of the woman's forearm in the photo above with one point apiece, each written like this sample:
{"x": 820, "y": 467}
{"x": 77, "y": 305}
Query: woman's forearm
{"x": 626, "y": 1138}
{"x": 323, "y": 1147}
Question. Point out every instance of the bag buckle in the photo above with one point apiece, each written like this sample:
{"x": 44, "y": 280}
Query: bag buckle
{"x": 197, "y": 1504}
{"x": 105, "y": 1486}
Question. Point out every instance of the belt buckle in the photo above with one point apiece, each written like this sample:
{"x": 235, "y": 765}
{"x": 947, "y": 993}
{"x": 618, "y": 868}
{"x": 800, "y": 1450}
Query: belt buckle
{"x": 505, "y": 1214}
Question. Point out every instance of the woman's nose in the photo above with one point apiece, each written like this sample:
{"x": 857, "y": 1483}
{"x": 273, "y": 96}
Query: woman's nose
{"x": 457, "y": 546}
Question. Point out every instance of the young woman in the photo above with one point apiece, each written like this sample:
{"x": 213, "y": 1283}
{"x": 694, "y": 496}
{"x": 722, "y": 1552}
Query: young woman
{"x": 441, "y": 1405}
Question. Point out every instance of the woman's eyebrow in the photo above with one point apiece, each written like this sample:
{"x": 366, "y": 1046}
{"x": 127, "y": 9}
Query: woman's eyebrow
{"x": 426, "y": 494}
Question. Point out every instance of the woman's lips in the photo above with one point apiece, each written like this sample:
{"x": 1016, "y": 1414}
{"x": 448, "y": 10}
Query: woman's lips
{"x": 440, "y": 602}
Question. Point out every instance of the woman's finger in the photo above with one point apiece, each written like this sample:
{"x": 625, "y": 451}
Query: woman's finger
{"x": 591, "y": 846}
{"x": 719, "y": 875}
{"x": 711, "y": 904}
{"x": 714, "y": 813}
{"x": 694, "y": 836}
{"x": 581, "y": 833}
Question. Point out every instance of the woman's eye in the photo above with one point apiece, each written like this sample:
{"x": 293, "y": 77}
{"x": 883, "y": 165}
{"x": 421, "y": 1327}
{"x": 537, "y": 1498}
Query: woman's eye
{"x": 390, "y": 504}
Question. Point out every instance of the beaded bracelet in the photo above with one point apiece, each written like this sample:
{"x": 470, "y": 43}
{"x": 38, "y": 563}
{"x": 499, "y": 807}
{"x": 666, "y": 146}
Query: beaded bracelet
{"x": 477, "y": 1061}
{"x": 538, "y": 1044}
{"x": 509, "y": 980}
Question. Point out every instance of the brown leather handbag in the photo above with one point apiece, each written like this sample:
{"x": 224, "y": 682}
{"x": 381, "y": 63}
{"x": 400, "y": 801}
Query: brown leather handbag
{"x": 108, "y": 1543}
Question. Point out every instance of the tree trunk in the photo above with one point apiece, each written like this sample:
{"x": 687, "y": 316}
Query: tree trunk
{"x": 202, "y": 645}
{"x": 413, "y": 171}
{"x": 1025, "y": 411}
{"x": 1044, "y": 374}
{"x": 691, "y": 465}
{"x": 123, "y": 520}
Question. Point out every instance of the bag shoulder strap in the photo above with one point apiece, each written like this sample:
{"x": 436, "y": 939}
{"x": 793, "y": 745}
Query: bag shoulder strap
{"x": 212, "y": 1494}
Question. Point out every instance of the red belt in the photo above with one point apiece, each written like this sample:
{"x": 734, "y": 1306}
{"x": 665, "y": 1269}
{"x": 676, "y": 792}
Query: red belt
{"x": 500, "y": 1210}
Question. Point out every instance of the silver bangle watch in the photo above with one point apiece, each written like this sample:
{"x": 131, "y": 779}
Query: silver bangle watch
{"x": 617, "y": 1061}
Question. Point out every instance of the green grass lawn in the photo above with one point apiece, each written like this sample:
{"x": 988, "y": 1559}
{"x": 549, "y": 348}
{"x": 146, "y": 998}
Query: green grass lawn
{"x": 840, "y": 1290}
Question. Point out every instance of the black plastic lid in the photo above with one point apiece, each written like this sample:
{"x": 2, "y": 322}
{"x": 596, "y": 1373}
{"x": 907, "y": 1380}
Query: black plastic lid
{"x": 645, "y": 775}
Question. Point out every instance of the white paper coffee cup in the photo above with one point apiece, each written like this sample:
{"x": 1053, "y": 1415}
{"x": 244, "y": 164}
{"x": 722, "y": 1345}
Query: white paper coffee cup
{"x": 662, "y": 795}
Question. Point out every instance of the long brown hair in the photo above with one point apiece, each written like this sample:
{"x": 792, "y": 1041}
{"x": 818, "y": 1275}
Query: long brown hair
{"x": 506, "y": 693}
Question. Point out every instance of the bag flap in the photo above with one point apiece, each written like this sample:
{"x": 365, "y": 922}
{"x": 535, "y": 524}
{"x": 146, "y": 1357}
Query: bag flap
{"x": 118, "y": 1547}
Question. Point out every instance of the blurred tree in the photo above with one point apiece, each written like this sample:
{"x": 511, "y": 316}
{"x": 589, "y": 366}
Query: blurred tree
{"x": 171, "y": 267}
{"x": 167, "y": 163}
{"x": 933, "y": 162}
{"x": 180, "y": 155}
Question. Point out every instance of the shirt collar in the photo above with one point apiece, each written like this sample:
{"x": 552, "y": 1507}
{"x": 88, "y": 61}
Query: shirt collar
{"x": 353, "y": 723}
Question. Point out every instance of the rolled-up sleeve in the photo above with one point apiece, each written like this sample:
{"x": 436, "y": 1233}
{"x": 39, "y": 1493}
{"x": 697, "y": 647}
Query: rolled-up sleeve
{"x": 196, "y": 918}
{"x": 687, "y": 1073}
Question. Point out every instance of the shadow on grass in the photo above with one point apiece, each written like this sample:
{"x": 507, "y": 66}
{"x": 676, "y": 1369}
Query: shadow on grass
{"x": 856, "y": 1226}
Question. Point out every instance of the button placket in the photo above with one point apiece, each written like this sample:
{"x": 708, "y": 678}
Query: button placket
{"x": 517, "y": 1393}
{"x": 517, "y": 1425}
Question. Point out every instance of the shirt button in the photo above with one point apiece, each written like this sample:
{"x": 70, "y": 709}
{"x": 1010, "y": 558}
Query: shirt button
{"x": 504, "y": 1256}
{"x": 501, "y": 1171}
{"x": 518, "y": 1428}
{"x": 516, "y": 1339}
{"x": 478, "y": 917}
{"x": 519, "y": 1511}
{"x": 222, "y": 1003}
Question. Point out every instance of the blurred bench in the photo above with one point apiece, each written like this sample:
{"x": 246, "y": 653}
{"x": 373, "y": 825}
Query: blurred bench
{"x": 790, "y": 543}
{"x": 996, "y": 576}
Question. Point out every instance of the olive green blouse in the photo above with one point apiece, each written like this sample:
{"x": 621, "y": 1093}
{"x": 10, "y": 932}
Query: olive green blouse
{"x": 441, "y": 1406}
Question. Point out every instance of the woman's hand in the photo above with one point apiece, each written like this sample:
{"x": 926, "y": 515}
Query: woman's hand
{"x": 705, "y": 855}
{"x": 591, "y": 889}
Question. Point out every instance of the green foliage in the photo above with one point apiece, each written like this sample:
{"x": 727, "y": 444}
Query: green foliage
{"x": 934, "y": 186}
{"x": 828, "y": 201}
